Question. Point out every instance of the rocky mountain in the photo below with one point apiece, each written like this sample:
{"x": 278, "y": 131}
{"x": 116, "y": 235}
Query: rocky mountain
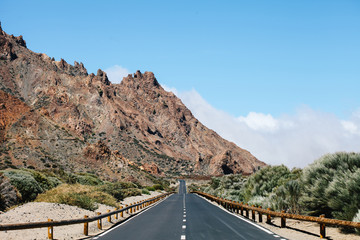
{"x": 56, "y": 115}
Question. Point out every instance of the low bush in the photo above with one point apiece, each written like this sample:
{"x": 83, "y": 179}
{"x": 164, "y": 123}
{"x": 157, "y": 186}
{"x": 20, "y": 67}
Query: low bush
{"x": 77, "y": 199}
{"x": 114, "y": 189}
{"x": 86, "y": 179}
{"x": 145, "y": 191}
{"x": 332, "y": 186}
{"x": 132, "y": 192}
{"x": 25, "y": 183}
{"x": 150, "y": 188}
{"x": 158, "y": 187}
{"x": 83, "y": 196}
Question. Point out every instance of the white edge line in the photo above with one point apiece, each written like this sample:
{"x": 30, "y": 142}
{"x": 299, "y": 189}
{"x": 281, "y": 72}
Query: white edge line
{"x": 127, "y": 220}
{"x": 242, "y": 218}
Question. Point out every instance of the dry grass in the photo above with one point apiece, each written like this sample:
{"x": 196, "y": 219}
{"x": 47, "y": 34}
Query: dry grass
{"x": 83, "y": 196}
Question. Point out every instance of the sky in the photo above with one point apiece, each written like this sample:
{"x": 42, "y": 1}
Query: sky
{"x": 279, "y": 78}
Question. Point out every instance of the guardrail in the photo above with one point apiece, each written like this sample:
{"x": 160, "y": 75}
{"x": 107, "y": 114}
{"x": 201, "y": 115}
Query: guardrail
{"x": 50, "y": 224}
{"x": 241, "y": 207}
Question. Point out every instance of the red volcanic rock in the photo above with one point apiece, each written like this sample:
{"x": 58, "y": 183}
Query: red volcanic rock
{"x": 152, "y": 168}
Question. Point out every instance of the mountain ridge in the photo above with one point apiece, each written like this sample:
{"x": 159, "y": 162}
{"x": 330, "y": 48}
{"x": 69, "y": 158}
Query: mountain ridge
{"x": 135, "y": 124}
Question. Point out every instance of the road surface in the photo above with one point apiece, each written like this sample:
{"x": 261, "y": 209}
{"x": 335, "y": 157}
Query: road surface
{"x": 187, "y": 217}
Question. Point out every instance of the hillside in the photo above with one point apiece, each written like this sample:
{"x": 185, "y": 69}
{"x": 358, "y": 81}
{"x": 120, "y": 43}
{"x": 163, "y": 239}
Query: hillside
{"x": 56, "y": 115}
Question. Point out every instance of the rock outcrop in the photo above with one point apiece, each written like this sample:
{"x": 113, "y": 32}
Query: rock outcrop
{"x": 56, "y": 115}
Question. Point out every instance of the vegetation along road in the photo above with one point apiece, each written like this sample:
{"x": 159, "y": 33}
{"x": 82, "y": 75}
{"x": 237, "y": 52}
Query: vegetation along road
{"x": 187, "y": 216}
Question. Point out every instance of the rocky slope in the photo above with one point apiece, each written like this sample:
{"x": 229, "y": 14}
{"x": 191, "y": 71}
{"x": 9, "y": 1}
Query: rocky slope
{"x": 56, "y": 115}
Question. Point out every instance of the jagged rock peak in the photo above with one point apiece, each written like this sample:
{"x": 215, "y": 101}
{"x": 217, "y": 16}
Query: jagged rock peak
{"x": 146, "y": 79}
{"x": 138, "y": 74}
{"x": 103, "y": 77}
{"x": 19, "y": 40}
{"x": 80, "y": 67}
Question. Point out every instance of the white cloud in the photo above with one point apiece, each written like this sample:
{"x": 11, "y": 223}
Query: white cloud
{"x": 170, "y": 89}
{"x": 350, "y": 127}
{"x": 264, "y": 122}
{"x": 116, "y": 73}
{"x": 294, "y": 140}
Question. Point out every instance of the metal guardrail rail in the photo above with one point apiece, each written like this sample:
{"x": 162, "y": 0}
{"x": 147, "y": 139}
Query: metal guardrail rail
{"x": 241, "y": 207}
{"x": 50, "y": 224}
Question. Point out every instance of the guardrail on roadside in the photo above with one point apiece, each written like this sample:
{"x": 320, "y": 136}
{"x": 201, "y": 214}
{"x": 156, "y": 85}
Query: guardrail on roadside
{"x": 241, "y": 207}
{"x": 50, "y": 224}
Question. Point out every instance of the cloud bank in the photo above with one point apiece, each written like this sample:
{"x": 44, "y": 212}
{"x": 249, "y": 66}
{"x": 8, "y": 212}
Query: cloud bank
{"x": 116, "y": 73}
{"x": 294, "y": 140}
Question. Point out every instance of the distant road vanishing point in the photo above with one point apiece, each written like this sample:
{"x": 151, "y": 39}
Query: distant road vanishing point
{"x": 185, "y": 216}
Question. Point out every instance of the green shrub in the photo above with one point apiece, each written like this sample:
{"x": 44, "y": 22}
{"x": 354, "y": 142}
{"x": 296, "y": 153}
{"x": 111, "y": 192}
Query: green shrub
{"x": 145, "y": 191}
{"x": 228, "y": 186}
{"x": 332, "y": 186}
{"x": 114, "y": 189}
{"x": 87, "y": 179}
{"x": 150, "y": 188}
{"x": 132, "y": 192}
{"x": 25, "y": 183}
{"x": 158, "y": 187}
{"x": 263, "y": 182}
{"x": 78, "y": 199}
{"x": 46, "y": 182}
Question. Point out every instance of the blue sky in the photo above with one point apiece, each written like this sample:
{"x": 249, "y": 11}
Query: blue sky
{"x": 261, "y": 63}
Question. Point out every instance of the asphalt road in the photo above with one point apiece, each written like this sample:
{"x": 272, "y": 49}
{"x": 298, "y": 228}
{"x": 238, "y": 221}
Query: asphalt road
{"x": 187, "y": 216}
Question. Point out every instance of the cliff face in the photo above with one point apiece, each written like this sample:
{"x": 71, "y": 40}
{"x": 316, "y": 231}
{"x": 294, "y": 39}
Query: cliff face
{"x": 54, "y": 114}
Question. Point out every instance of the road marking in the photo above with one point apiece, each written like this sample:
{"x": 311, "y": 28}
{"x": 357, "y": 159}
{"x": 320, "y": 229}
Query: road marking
{"x": 183, "y": 237}
{"x": 183, "y": 226}
{"x": 184, "y": 216}
{"x": 277, "y": 236}
{"x": 184, "y": 220}
{"x": 184, "y": 202}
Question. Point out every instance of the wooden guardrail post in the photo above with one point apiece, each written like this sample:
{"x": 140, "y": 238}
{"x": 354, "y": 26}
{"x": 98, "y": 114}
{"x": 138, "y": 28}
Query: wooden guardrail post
{"x": 322, "y": 228}
{"x": 131, "y": 208}
{"x": 127, "y": 210}
{"x": 99, "y": 223}
{"x": 268, "y": 217}
{"x": 237, "y": 208}
{"x": 283, "y": 219}
{"x": 116, "y": 214}
{"x": 137, "y": 207}
{"x": 86, "y": 226}
{"x": 109, "y": 217}
{"x": 253, "y": 214}
{"x": 260, "y": 215}
{"x": 247, "y": 210}
{"x": 122, "y": 212}
{"x": 50, "y": 231}
{"x": 242, "y": 209}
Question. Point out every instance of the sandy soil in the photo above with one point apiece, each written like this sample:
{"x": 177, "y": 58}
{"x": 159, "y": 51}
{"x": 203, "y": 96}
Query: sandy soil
{"x": 300, "y": 230}
{"x": 40, "y": 211}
